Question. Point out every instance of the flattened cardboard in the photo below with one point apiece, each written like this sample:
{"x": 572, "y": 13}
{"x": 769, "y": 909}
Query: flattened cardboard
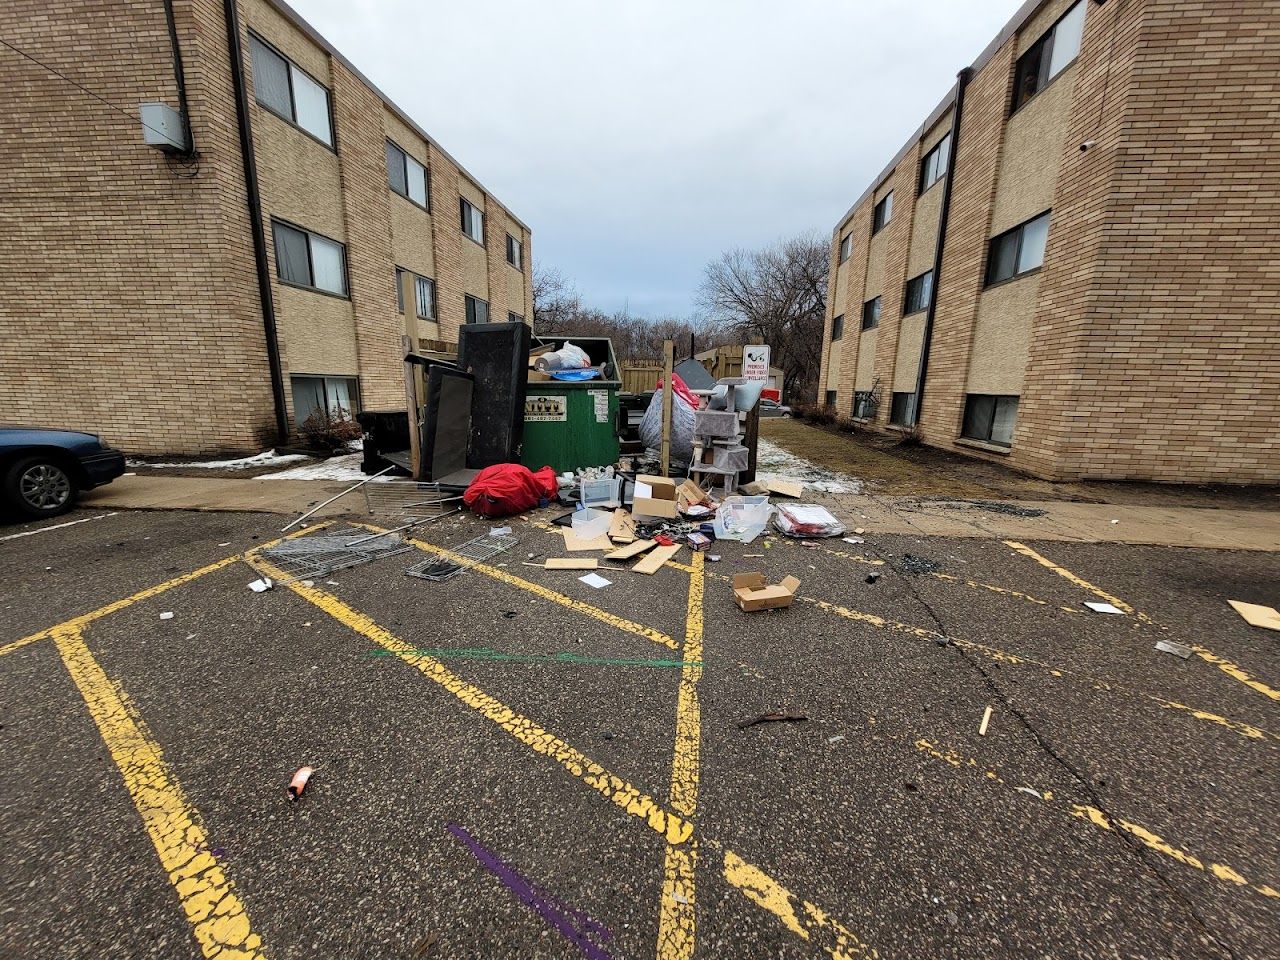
{"x": 785, "y": 488}
{"x": 661, "y": 501}
{"x": 654, "y": 561}
{"x": 689, "y": 494}
{"x": 631, "y": 550}
{"x": 1256, "y": 615}
{"x": 622, "y": 528}
{"x": 572, "y": 563}
{"x": 751, "y": 592}
{"x": 573, "y": 543}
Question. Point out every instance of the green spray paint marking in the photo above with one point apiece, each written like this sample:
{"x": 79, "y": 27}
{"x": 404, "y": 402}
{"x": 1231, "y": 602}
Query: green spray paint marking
{"x": 487, "y": 653}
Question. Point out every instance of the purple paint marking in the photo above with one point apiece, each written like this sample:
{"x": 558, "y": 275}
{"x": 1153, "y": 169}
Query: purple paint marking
{"x": 545, "y": 905}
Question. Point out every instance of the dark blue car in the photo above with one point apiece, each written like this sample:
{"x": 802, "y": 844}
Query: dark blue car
{"x": 42, "y": 471}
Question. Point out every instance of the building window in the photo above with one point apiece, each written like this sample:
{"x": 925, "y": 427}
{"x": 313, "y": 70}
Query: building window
{"x": 882, "y": 214}
{"x": 1049, "y": 55}
{"x": 846, "y": 248}
{"x": 831, "y": 398}
{"x": 326, "y": 397}
{"x": 306, "y": 259}
{"x": 513, "y": 317}
{"x": 990, "y": 418}
{"x": 871, "y": 314}
{"x": 903, "y": 410}
{"x": 285, "y": 89}
{"x": 1019, "y": 251}
{"x": 477, "y": 310}
{"x": 407, "y": 176}
{"x": 934, "y": 165}
{"x": 472, "y": 221}
{"x": 919, "y": 289}
{"x": 864, "y": 404}
{"x": 515, "y": 252}
{"x": 837, "y": 328}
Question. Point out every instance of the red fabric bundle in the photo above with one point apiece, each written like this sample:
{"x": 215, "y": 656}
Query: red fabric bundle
{"x": 507, "y": 488}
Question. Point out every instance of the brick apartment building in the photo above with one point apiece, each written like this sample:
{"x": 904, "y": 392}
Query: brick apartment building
{"x": 1081, "y": 242}
{"x": 207, "y": 299}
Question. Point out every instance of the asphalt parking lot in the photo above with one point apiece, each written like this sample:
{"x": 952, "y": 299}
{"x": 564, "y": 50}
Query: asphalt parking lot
{"x": 514, "y": 764}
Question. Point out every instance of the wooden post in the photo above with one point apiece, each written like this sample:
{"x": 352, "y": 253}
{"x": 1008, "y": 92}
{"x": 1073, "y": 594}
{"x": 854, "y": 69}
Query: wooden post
{"x": 668, "y": 362}
{"x": 411, "y": 407}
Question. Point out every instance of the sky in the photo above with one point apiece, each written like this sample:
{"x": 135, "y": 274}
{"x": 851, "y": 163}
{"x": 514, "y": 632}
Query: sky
{"x": 640, "y": 140}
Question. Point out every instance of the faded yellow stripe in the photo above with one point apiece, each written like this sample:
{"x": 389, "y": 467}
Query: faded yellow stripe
{"x": 1068, "y": 575}
{"x": 1004, "y": 591}
{"x": 677, "y": 915}
{"x": 809, "y": 922}
{"x": 115, "y": 606}
{"x": 1208, "y": 656}
{"x": 1097, "y": 818}
{"x": 604, "y": 616}
{"x": 675, "y": 829}
{"x": 217, "y": 917}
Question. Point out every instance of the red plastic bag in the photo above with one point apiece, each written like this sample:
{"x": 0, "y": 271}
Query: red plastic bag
{"x": 681, "y": 390}
{"x": 507, "y": 488}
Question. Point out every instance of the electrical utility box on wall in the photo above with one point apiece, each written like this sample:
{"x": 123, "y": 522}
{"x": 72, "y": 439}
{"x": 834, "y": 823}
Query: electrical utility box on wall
{"x": 162, "y": 127}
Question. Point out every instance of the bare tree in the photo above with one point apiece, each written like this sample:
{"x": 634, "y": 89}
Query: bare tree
{"x": 778, "y": 293}
{"x": 556, "y": 303}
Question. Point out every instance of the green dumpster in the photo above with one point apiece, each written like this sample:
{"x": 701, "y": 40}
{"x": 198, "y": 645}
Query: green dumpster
{"x": 568, "y": 425}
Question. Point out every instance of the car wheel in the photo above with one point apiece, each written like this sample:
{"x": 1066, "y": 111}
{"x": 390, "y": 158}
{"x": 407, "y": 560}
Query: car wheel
{"x": 39, "y": 487}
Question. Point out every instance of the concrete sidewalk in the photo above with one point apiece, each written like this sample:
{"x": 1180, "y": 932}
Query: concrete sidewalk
{"x": 1081, "y": 522}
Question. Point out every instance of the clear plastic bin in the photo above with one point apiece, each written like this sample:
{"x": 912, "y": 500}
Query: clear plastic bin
{"x": 589, "y": 524}
{"x": 742, "y": 518}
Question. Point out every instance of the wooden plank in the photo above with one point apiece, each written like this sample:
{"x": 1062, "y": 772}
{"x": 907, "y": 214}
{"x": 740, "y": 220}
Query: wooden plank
{"x": 654, "y": 561}
{"x": 574, "y": 543}
{"x": 622, "y": 527}
{"x": 631, "y": 550}
{"x": 785, "y": 488}
{"x": 411, "y": 405}
{"x": 668, "y": 362}
{"x": 571, "y": 563}
{"x": 1257, "y": 615}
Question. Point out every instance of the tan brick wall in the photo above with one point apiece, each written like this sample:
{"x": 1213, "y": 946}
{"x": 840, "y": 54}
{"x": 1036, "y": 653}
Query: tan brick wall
{"x": 447, "y": 242}
{"x": 128, "y": 304}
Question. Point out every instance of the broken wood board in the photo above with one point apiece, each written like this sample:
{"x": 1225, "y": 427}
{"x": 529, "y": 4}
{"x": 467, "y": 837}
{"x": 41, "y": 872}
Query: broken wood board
{"x": 1256, "y": 615}
{"x": 574, "y": 543}
{"x": 571, "y": 563}
{"x": 753, "y": 489}
{"x": 631, "y": 550}
{"x": 654, "y": 561}
{"x": 622, "y": 527}
{"x": 785, "y": 488}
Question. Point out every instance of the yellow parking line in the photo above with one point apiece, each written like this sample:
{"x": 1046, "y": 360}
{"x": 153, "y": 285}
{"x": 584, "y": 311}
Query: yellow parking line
{"x": 674, "y": 828}
{"x": 115, "y": 606}
{"x": 217, "y": 917}
{"x": 811, "y": 922}
{"x": 670, "y": 825}
{"x": 1006, "y": 591}
{"x": 677, "y": 916}
{"x": 1092, "y": 815}
{"x": 1208, "y": 656}
{"x": 604, "y": 616}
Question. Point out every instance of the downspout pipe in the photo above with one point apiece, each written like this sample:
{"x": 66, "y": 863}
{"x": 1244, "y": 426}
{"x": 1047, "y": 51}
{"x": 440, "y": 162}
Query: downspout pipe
{"x": 962, "y": 82}
{"x": 236, "y": 53}
{"x": 180, "y": 78}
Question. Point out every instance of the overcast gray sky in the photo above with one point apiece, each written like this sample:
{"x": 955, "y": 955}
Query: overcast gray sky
{"x": 640, "y": 139}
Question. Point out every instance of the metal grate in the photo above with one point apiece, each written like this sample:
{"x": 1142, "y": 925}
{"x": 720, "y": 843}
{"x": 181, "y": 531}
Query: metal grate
{"x": 439, "y": 569}
{"x": 407, "y": 498}
{"x": 318, "y": 555}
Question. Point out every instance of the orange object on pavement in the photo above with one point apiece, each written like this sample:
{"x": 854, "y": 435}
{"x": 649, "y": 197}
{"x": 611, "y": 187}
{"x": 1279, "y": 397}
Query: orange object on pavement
{"x": 299, "y": 781}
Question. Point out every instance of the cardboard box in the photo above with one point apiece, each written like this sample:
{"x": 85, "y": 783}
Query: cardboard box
{"x": 689, "y": 494}
{"x": 655, "y": 497}
{"x": 752, "y": 593}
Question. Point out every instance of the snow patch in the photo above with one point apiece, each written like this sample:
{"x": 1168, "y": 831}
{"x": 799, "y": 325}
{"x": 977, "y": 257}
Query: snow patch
{"x": 773, "y": 462}
{"x": 346, "y": 467}
{"x": 267, "y": 458}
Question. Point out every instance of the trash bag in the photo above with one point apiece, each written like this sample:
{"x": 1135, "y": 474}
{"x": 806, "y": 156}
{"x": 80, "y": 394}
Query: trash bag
{"x": 806, "y": 520}
{"x": 507, "y": 488}
{"x": 683, "y": 403}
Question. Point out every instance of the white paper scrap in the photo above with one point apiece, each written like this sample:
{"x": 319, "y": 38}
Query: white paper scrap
{"x": 595, "y": 580}
{"x": 261, "y": 586}
{"x": 167, "y": 615}
{"x": 643, "y": 490}
{"x": 1103, "y": 608}
{"x": 499, "y": 531}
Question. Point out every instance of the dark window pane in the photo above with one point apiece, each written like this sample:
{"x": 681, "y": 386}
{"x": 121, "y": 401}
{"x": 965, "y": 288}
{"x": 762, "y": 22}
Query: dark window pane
{"x": 308, "y": 398}
{"x": 837, "y": 328}
{"x": 395, "y": 170}
{"x": 1003, "y": 258}
{"x": 477, "y": 310}
{"x": 846, "y": 248}
{"x": 1027, "y": 77}
{"x": 292, "y": 261}
{"x": 270, "y": 78}
{"x": 831, "y": 398}
{"x": 426, "y": 293}
{"x": 871, "y": 314}
{"x": 918, "y": 290}
{"x": 399, "y": 290}
{"x": 978, "y": 411}
{"x": 863, "y": 406}
{"x": 903, "y": 410}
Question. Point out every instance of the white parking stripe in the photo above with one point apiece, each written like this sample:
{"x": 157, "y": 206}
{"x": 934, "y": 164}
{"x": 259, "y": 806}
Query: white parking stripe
{"x": 56, "y": 526}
